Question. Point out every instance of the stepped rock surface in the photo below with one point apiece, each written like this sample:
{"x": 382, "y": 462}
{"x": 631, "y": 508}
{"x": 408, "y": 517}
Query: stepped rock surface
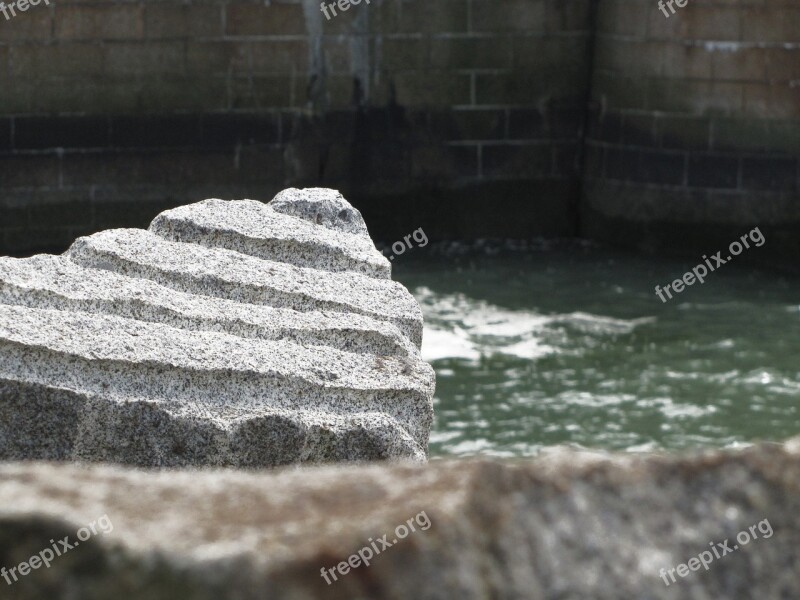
{"x": 564, "y": 525}
{"x": 232, "y": 333}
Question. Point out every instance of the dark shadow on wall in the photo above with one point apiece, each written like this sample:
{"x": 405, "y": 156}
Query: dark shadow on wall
{"x": 600, "y": 119}
{"x": 402, "y": 168}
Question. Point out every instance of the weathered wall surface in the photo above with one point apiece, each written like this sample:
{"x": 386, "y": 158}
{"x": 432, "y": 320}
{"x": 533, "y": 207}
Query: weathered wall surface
{"x": 465, "y": 116}
{"x": 448, "y": 114}
{"x": 695, "y": 132}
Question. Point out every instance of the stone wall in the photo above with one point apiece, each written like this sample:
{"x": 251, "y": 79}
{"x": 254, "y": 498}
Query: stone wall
{"x": 465, "y": 116}
{"x": 418, "y": 111}
{"x": 695, "y": 129}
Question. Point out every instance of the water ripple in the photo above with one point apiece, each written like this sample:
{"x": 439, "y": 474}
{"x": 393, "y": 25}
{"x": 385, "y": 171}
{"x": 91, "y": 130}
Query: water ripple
{"x": 573, "y": 348}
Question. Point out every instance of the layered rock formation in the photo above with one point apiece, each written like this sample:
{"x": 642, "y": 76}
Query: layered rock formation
{"x": 567, "y": 525}
{"x": 231, "y": 333}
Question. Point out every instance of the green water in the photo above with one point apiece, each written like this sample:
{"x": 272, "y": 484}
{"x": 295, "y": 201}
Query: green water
{"x": 569, "y": 344}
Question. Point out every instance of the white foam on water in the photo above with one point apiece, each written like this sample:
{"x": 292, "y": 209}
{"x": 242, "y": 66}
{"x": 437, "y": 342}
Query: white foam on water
{"x": 459, "y": 327}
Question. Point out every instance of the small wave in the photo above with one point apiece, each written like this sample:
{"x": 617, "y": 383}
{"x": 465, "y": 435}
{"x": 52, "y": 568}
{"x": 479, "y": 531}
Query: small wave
{"x": 459, "y": 327}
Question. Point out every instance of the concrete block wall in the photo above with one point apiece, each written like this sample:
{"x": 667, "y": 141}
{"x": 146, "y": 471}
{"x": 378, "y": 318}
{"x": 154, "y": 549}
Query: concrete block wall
{"x": 694, "y": 137}
{"x": 445, "y": 114}
{"x": 472, "y": 118}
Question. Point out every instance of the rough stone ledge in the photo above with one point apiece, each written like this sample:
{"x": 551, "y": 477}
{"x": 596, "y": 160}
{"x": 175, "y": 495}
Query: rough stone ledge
{"x": 54, "y": 282}
{"x": 216, "y": 351}
{"x": 257, "y": 229}
{"x": 49, "y": 423}
{"x": 222, "y": 379}
{"x": 227, "y": 274}
{"x": 566, "y": 525}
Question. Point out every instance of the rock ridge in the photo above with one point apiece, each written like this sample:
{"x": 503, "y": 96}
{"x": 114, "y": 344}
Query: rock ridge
{"x": 231, "y": 333}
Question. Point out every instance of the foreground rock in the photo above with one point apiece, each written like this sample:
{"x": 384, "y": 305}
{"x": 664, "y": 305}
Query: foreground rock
{"x": 232, "y": 333}
{"x": 567, "y": 525}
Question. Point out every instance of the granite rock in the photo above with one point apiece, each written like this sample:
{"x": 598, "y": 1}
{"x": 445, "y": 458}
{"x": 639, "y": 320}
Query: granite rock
{"x": 259, "y": 230}
{"x": 46, "y": 281}
{"x": 214, "y": 347}
{"x": 235, "y": 276}
{"x": 321, "y": 206}
{"x": 565, "y": 525}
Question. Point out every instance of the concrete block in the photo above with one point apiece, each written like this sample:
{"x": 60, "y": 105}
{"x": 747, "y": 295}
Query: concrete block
{"x": 272, "y": 57}
{"x": 442, "y": 16}
{"x": 509, "y": 160}
{"x": 522, "y": 87}
{"x": 571, "y": 16}
{"x": 713, "y": 171}
{"x": 770, "y": 23}
{"x": 534, "y": 52}
{"x": 440, "y": 87}
{"x": 69, "y": 61}
{"x": 155, "y": 131}
{"x": 528, "y": 16}
{"x": 30, "y": 172}
{"x": 259, "y": 19}
{"x": 152, "y": 59}
{"x": 622, "y": 18}
{"x": 258, "y": 93}
{"x": 206, "y": 58}
{"x": 99, "y": 21}
{"x": 745, "y": 64}
{"x": 525, "y": 123}
{"x": 187, "y": 21}
{"x": 406, "y": 54}
{"x": 770, "y": 173}
{"x": 661, "y": 167}
{"x": 683, "y": 132}
{"x": 33, "y": 25}
{"x": 40, "y": 133}
{"x": 437, "y": 162}
{"x": 468, "y": 124}
{"x": 471, "y": 53}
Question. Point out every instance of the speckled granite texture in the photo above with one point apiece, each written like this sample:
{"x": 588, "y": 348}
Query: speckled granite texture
{"x": 257, "y": 229}
{"x": 231, "y": 333}
{"x": 567, "y": 525}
